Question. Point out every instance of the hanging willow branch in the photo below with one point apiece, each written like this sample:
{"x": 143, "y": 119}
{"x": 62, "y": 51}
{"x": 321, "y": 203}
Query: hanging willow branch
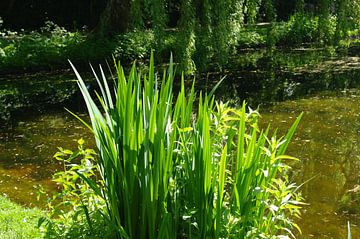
{"x": 186, "y": 48}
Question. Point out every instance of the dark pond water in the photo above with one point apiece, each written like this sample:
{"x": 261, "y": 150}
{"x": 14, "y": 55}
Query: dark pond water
{"x": 283, "y": 84}
{"x": 26, "y": 152}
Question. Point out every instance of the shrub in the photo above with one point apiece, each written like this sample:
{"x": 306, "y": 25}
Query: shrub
{"x": 46, "y": 47}
{"x": 75, "y": 211}
{"x": 303, "y": 28}
{"x": 134, "y": 45}
{"x": 168, "y": 172}
{"x": 251, "y": 37}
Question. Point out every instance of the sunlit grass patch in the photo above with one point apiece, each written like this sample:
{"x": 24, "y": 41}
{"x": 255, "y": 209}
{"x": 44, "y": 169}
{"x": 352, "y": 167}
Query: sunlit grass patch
{"x": 18, "y": 222}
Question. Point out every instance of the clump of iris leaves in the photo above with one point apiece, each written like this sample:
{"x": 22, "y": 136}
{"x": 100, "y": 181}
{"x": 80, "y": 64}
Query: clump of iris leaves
{"x": 172, "y": 165}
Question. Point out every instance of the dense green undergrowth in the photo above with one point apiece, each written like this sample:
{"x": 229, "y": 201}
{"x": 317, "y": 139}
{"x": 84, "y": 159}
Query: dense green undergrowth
{"x": 52, "y": 45}
{"x": 172, "y": 166}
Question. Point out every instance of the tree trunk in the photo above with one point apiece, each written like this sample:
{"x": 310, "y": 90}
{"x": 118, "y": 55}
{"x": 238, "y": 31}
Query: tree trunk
{"x": 115, "y": 18}
{"x": 10, "y": 6}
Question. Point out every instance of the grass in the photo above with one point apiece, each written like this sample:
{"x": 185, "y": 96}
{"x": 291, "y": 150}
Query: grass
{"x": 17, "y": 222}
{"x": 173, "y": 169}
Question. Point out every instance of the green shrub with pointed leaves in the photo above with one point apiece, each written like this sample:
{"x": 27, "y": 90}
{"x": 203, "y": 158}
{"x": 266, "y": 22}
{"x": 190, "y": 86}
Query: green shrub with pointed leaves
{"x": 173, "y": 169}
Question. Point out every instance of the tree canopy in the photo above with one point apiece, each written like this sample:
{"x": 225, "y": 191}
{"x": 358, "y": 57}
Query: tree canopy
{"x": 206, "y": 30}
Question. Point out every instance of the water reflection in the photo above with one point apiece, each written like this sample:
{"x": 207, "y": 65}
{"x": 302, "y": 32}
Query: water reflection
{"x": 262, "y": 77}
{"x": 327, "y": 141}
{"x": 327, "y": 144}
{"x": 26, "y": 152}
{"x": 36, "y": 93}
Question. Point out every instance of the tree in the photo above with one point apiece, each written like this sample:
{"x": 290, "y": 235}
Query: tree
{"x": 269, "y": 10}
{"x": 115, "y": 18}
{"x": 325, "y": 27}
{"x": 187, "y": 36}
{"x": 348, "y": 17}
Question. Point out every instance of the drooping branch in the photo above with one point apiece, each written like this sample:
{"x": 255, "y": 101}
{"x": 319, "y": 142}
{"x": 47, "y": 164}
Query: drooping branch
{"x": 115, "y": 18}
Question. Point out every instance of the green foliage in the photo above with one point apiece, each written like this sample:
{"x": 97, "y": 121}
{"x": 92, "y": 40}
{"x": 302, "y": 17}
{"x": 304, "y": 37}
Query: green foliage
{"x": 159, "y": 22}
{"x": 231, "y": 167}
{"x": 17, "y": 221}
{"x": 137, "y": 21}
{"x": 166, "y": 172}
{"x": 186, "y": 45}
{"x": 251, "y": 9}
{"x": 220, "y": 40}
{"x": 75, "y": 211}
{"x": 324, "y": 26}
{"x": 53, "y": 45}
{"x": 301, "y": 28}
{"x": 251, "y": 37}
{"x": 136, "y": 168}
{"x": 270, "y": 11}
{"x": 348, "y": 19}
{"x": 201, "y": 34}
{"x": 235, "y": 23}
{"x": 134, "y": 45}
{"x": 208, "y": 30}
{"x": 26, "y": 50}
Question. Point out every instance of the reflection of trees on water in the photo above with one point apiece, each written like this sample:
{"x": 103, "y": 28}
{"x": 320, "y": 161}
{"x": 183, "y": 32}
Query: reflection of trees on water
{"x": 266, "y": 87}
{"x": 339, "y": 157}
{"x": 36, "y": 93}
{"x": 349, "y": 203}
{"x": 263, "y": 77}
{"x": 327, "y": 144}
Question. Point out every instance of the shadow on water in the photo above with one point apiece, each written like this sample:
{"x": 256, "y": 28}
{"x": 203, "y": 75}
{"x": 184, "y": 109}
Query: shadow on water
{"x": 281, "y": 83}
{"x": 35, "y": 93}
{"x": 262, "y": 78}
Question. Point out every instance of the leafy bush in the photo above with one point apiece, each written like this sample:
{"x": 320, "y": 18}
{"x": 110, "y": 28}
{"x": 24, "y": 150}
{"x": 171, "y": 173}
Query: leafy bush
{"x": 34, "y": 49}
{"x": 52, "y": 45}
{"x": 168, "y": 172}
{"x": 75, "y": 211}
{"x": 278, "y": 34}
{"x": 302, "y": 28}
{"x": 251, "y": 38}
{"x": 134, "y": 45}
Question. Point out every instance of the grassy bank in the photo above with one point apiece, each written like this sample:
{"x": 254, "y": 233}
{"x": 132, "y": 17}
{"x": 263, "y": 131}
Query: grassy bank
{"x": 18, "y": 222}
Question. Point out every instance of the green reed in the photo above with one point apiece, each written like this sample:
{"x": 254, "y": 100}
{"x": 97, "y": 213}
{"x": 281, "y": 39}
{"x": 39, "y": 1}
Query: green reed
{"x": 169, "y": 171}
{"x": 135, "y": 140}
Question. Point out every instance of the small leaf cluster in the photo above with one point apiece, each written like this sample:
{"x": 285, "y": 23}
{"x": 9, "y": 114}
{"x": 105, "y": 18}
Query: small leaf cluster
{"x": 75, "y": 211}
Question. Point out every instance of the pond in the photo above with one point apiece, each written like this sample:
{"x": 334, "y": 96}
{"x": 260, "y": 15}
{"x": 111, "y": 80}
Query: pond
{"x": 283, "y": 84}
{"x": 327, "y": 144}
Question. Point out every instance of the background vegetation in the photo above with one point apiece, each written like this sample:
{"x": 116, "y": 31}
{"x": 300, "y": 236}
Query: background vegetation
{"x": 235, "y": 155}
{"x": 201, "y": 34}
